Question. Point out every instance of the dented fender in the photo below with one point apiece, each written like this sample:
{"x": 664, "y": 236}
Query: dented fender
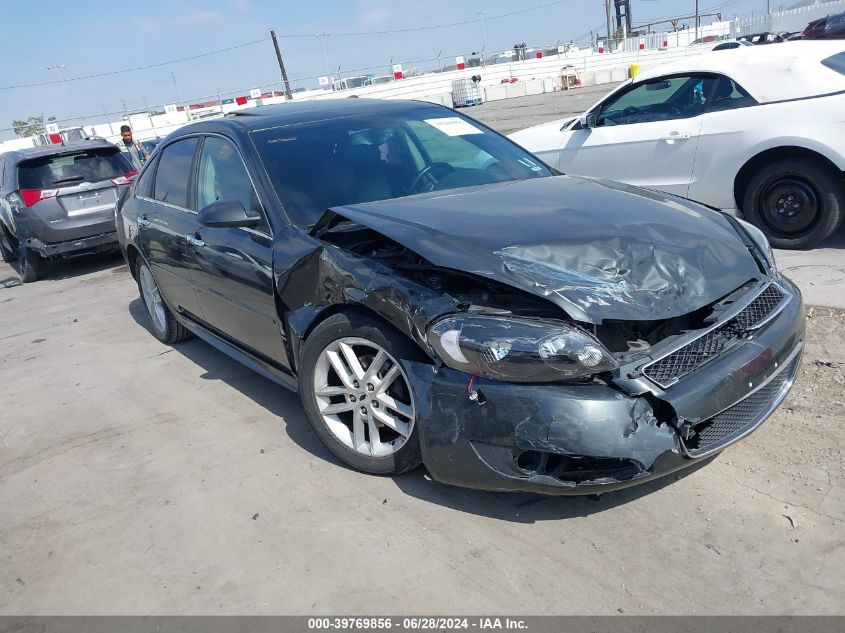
{"x": 311, "y": 276}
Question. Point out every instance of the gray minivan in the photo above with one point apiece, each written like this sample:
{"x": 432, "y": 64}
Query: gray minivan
{"x": 58, "y": 201}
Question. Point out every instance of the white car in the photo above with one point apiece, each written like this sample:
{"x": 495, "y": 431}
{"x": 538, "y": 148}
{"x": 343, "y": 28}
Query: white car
{"x": 754, "y": 130}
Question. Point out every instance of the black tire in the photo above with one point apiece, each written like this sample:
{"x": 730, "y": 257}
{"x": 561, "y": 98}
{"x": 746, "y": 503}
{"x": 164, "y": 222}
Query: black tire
{"x": 169, "y": 330}
{"x": 30, "y": 265}
{"x": 357, "y": 325}
{"x": 796, "y": 202}
{"x": 8, "y": 246}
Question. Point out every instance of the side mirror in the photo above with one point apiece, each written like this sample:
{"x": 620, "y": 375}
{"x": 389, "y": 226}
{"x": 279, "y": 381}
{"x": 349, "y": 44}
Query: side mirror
{"x": 227, "y": 214}
{"x": 584, "y": 121}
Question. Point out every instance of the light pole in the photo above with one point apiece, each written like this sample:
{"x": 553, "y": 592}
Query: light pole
{"x": 323, "y": 37}
{"x": 58, "y": 68}
{"x": 482, "y": 13}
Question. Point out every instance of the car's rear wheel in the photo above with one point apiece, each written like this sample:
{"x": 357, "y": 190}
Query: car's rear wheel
{"x": 8, "y": 246}
{"x": 165, "y": 327}
{"x": 31, "y": 264}
{"x": 796, "y": 202}
{"x": 357, "y": 396}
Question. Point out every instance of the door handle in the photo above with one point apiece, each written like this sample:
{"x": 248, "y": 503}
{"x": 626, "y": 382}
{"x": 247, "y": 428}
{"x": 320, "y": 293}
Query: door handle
{"x": 143, "y": 221}
{"x": 195, "y": 240}
{"x": 671, "y": 138}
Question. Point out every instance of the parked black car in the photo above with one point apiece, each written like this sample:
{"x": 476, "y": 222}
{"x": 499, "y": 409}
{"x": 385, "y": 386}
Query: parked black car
{"x": 831, "y": 27}
{"x": 764, "y": 38}
{"x": 438, "y": 295}
{"x": 58, "y": 201}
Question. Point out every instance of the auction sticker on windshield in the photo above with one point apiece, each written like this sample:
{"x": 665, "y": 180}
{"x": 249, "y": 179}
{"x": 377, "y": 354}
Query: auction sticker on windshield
{"x": 453, "y": 126}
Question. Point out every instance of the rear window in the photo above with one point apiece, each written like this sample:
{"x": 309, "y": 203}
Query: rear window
{"x": 92, "y": 165}
{"x": 836, "y": 62}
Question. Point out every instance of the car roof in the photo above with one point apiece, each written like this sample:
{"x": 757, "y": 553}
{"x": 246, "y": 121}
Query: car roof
{"x": 318, "y": 110}
{"x": 788, "y": 70}
{"x": 57, "y": 150}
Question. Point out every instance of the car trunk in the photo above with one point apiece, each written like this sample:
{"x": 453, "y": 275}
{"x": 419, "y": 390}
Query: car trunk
{"x": 72, "y": 195}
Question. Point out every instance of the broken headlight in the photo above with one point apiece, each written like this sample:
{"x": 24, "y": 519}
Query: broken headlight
{"x": 518, "y": 350}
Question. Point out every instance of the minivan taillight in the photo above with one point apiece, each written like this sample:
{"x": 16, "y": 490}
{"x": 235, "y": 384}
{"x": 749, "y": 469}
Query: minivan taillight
{"x": 32, "y": 196}
{"x": 125, "y": 179}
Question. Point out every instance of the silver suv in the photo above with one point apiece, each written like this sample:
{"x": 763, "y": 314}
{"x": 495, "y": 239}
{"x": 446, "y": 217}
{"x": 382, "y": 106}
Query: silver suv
{"x": 58, "y": 201}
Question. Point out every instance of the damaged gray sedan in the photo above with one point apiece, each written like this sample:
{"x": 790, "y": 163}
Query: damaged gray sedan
{"x": 439, "y": 296}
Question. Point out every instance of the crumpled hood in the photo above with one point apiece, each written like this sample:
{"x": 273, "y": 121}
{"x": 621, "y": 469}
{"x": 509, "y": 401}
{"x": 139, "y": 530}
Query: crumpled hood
{"x": 598, "y": 249}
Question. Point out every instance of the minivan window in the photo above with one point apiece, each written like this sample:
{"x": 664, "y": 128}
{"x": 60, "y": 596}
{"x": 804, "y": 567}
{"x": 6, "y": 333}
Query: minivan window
{"x": 364, "y": 158}
{"x": 173, "y": 173}
{"x": 91, "y": 165}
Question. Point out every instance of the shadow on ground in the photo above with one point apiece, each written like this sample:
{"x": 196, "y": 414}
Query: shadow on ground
{"x": 284, "y": 404}
{"x": 65, "y": 268}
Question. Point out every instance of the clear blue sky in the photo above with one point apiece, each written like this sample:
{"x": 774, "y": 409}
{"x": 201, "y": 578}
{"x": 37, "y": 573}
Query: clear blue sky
{"x": 96, "y": 37}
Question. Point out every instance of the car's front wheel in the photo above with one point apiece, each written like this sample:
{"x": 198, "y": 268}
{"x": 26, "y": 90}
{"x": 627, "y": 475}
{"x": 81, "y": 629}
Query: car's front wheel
{"x": 357, "y": 396}
{"x": 796, "y": 202}
{"x": 165, "y": 327}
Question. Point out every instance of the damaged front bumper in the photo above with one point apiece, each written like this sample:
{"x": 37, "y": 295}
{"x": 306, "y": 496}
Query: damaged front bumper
{"x": 593, "y": 438}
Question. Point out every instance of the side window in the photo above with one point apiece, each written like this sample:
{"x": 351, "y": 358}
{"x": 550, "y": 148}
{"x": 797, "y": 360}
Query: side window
{"x": 223, "y": 176}
{"x": 656, "y": 100}
{"x": 670, "y": 98}
{"x": 145, "y": 182}
{"x": 726, "y": 94}
{"x": 173, "y": 173}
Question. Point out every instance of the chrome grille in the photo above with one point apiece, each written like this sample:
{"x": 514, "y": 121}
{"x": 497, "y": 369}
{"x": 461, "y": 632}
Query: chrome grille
{"x": 698, "y": 352}
{"x": 724, "y": 427}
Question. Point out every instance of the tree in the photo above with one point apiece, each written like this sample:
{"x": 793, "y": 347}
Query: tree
{"x": 31, "y": 126}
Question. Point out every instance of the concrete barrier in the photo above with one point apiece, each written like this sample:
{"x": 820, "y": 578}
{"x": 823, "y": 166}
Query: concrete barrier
{"x": 495, "y": 93}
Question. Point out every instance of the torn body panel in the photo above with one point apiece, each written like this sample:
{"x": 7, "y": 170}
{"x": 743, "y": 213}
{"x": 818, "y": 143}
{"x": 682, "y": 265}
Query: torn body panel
{"x": 312, "y": 276}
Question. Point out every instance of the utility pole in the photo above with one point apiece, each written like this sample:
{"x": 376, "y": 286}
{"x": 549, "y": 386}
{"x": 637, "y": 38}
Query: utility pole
{"x": 482, "y": 13}
{"x": 108, "y": 118}
{"x": 59, "y": 68}
{"x": 610, "y": 22}
{"x": 288, "y": 93}
{"x": 697, "y": 21}
{"x": 323, "y": 37}
{"x": 187, "y": 108}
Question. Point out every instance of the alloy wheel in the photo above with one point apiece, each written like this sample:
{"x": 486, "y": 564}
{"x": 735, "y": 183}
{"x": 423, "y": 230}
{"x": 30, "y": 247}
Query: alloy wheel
{"x": 364, "y": 397}
{"x": 152, "y": 299}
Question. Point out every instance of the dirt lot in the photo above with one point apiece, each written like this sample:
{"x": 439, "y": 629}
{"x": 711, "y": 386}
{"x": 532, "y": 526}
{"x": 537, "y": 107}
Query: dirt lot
{"x": 140, "y": 478}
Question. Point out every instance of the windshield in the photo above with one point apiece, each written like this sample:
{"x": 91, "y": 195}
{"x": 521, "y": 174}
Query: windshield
{"x": 92, "y": 165}
{"x": 316, "y": 166}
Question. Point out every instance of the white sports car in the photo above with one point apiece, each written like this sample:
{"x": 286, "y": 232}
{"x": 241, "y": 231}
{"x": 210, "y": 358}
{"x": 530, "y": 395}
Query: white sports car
{"x": 755, "y": 129}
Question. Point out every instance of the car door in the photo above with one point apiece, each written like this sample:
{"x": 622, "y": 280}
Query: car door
{"x": 166, "y": 216}
{"x": 645, "y": 135}
{"x": 232, "y": 268}
{"x": 729, "y": 127}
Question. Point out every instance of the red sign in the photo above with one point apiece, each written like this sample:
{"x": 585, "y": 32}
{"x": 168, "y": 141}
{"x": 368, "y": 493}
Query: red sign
{"x": 540, "y": 55}
{"x": 397, "y": 71}
{"x": 460, "y": 62}
{"x": 240, "y": 100}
